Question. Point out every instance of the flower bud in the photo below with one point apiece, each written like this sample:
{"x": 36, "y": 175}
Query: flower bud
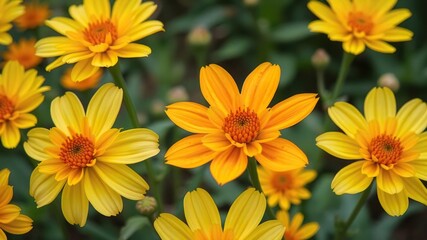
{"x": 177, "y": 94}
{"x": 199, "y": 36}
{"x": 146, "y": 206}
{"x": 389, "y": 80}
{"x": 320, "y": 59}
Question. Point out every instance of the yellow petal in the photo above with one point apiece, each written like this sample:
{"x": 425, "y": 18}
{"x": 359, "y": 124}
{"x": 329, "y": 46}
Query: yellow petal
{"x": 22, "y": 224}
{"x": 13, "y": 76}
{"x": 245, "y": 213}
{"x": 272, "y": 229}
{"x": 145, "y": 29}
{"x": 132, "y": 146}
{"x": 260, "y": 86}
{"x": 308, "y": 230}
{"x": 371, "y": 169}
{"x": 74, "y": 204}
{"x": 412, "y": 117}
{"x": 67, "y": 112}
{"x": 350, "y": 179}
{"x": 253, "y": 148}
{"x": 339, "y": 145}
{"x": 97, "y": 8}
{"x": 8, "y": 213}
{"x": 103, "y": 108}
{"x": 380, "y": 46}
{"x": 200, "y": 210}
{"x": 120, "y": 15}
{"x": 4, "y": 177}
{"x": 78, "y": 13}
{"x": 291, "y": 111}
{"x": 391, "y": 19}
{"x": 393, "y": 204}
{"x": 190, "y": 116}
{"x": 228, "y": 165}
{"x": 281, "y": 155}
{"x": 83, "y": 70}
{"x": 63, "y": 25}
{"x": 404, "y": 169}
{"x": 133, "y": 50}
{"x": 189, "y": 152}
{"x": 170, "y": 227}
{"x": 397, "y": 34}
{"x": 380, "y": 104}
{"x": 217, "y": 142}
{"x": 44, "y": 188}
{"x": 104, "y": 58}
{"x": 10, "y": 136}
{"x": 347, "y": 117}
{"x": 415, "y": 189}
{"x": 322, "y": 11}
{"x": 354, "y": 46}
{"x": 389, "y": 182}
{"x": 25, "y": 120}
{"x": 122, "y": 179}
{"x": 50, "y": 46}
{"x": 219, "y": 88}
{"x": 420, "y": 167}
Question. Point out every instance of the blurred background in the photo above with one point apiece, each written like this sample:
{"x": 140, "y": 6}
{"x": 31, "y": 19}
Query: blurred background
{"x": 238, "y": 35}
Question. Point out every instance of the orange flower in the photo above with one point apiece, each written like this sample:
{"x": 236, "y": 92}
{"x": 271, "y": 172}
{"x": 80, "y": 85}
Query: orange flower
{"x": 24, "y": 52}
{"x": 89, "y": 83}
{"x": 295, "y": 230}
{"x": 238, "y": 125}
{"x": 34, "y": 16}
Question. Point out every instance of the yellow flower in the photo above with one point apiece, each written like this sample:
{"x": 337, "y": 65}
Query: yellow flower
{"x": 86, "y": 158}
{"x": 238, "y": 125}
{"x": 10, "y": 9}
{"x": 204, "y": 221}
{"x": 11, "y": 219}
{"x": 97, "y": 36}
{"x": 294, "y": 230}
{"x": 34, "y": 16}
{"x": 24, "y": 52}
{"x": 385, "y": 145}
{"x": 89, "y": 83}
{"x": 359, "y": 23}
{"x": 20, "y": 93}
{"x": 285, "y": 188}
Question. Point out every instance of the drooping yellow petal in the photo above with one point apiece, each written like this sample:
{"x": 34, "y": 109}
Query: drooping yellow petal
{"x": 350, "y": 179}
{"x": 20, "y": 225}
{"x": 8, "y": 213}
{"x": 44, "y": 188}
{"x": 272, "y": 229}
{"x": 10, "y": 136}
{"x": 67, "y": 113}
{"x": 190, "y": 116}
{"x": 415, "y": 189}
{"x": 347, "y": 117}
{"x": 74, "y": 204}
{"x": 200, "y": 210}
{"x": 83, "y": 70}
{"x": 170, "y": 227}
{"x": 354, "y": 46}
{"x": 339, "y": 145}
{"x": 308, "y": 230}
{"x": 189, "y": 152}
{"x": 393, "y": 204}
{"x": 25, "y": 120}
{"x": 389, "y": 182}
{"x": 228, "y": 165}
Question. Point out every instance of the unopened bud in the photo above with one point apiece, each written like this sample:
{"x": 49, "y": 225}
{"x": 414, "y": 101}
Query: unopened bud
{"x": 199, "y": 36}
{"x": 146, "y": 206}
{"x": 251, "y": 3}
{"x": 389, "y": 80}
{"x": 177, "y": 94}
{"x": 320, "y": 59}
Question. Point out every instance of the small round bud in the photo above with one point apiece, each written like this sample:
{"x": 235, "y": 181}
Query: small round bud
{"x": 177, "y": 94}
{"x": 320, "y": 59}
{"x": 389, "y": 80}
{"x": 199, "y": 36}
{"x": 157, "y": 107}
{"x": 251, "y": 3}
{"x": 146, "y": 206}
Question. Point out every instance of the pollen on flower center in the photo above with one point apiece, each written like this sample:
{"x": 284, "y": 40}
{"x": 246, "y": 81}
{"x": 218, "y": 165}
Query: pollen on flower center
{"x": 101, "y": 32}
{"x": 385, "y": 149}
{"x": 77, "y": 151}
{"x": 360, "y": 22}
{"x": 281, "y": 182}
{"x": 6, "y": 108}
{"x": 242, "y": 125}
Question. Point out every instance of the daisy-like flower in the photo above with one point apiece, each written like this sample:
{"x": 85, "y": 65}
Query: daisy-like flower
{"x": 24, "y": 52}
{"x": 11, "y": 219}
{"x": 97, "y": 35}
{"x": 238, "y": 125}
{"x": 86, "y": 158}
{"x": 383, "y": 145}
{"x": 285, "y": 188}
{"x": 204, "y": 221}
{"x": 86, "y": 84}
{"x": 358, "y": 24}
{"x": 10, "y": 9}
{"x": 294, "y": 230}
{"x": 20, "y": 93}
{"x": 34, "y": 16}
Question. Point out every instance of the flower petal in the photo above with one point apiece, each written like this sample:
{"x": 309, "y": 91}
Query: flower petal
{"x": 272, "y": 230}
{"x": 74, "y": 204}
{"x": 190, "y": 116}
{"x": 350, "y": 179}
{"x": 217, "y": 142}
{"x": 200, "y": 210}
{"x": 20, "y": 225}
{"x": 281, "y": 155}
{"x": 415, "y": 189}
{"x": 10, "y": 136}
{"x": 347, "y": 118}
{"x": 44, "y": 188}
{"x": 189, "y": 152}
{"x": 339, "y": 145}
{"x": 393, "y": 204}
{"x": 380, "y": 104}
{"x": 83, "y": 70}
{"x": 412, "y": 117}
{"x": 228, "y": 165}
{"x": 133, "y": 50}
{"x": 25, "y": 120}
{"x": 8, "y": 213}
{"x": 67, "y": 112}
{"x": 170, "y": 227}
{"x": 389, "y": 182}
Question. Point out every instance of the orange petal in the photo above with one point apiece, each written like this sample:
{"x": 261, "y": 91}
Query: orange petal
{"x": 217, "y": 142}
{"x": 228, "y": 165}
{"x": 190, "y": 116}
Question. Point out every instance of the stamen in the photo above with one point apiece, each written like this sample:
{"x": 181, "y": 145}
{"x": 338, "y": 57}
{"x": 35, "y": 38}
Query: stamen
{"x": 242, "y": 125}
{"x": 6, "y": 108}
{"x": 77, "y": 151}
{"x": 385, "y": 149}
{"x": 101, "y": 32}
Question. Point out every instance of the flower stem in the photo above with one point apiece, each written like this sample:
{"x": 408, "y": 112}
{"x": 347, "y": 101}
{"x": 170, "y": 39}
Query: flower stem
{"x": 253, "y": 174}
{"x": 341, "y": 229}
{"x": 345, "y": 64}
{"x": 120, "y": 82}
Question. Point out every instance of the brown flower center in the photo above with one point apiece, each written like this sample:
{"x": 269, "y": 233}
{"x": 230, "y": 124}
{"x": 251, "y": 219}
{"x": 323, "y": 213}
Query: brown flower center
{"x": 6, "y": 108}
{"x": 385, "y": 149}
{"x": 77, "y": 151}
{"x": 360, "y": 22}
{"x": 242, "y": 125}
{"x": 281, "y": 181}
{"x": 101, "y": 32}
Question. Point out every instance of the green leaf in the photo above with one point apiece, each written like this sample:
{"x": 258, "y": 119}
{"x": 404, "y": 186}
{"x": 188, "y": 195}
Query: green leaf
{"x": 233, "y": 48}
{"x": 132, "y": 225}
{"x": 291, "y": 32}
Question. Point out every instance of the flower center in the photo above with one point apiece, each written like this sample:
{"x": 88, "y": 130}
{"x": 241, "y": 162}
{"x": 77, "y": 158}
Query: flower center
{"x": 6, "y": 108}
{"x": 101, "y": 32}
{"x": 77, "y": 151}
{"x": 360, "y": 22}
{"x": 215, "y": 233}
{"x": 281, "y": 181}
{"x": 242, "y": 125}
{"x": 385, "y": 149}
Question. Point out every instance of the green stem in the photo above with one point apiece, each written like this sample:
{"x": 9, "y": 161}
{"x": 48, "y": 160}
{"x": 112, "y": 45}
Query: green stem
{"x": 341, "y": 230}
{"x": 119, "y": 80}
{"x": 253, "y": 174}
{"x": 345, "y": 65}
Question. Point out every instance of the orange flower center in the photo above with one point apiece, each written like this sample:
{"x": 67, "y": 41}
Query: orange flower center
{"x": 77, "y": 151}
{"x": 242, "y": 125}
{"x": 215, "y": 233}
{"x": 281, "y": 181}
{"x": 385, "y": 149}
{"x": 6, "y": 108}
{"x": 101, "y": 32}
{"x": 360, "y": 22}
